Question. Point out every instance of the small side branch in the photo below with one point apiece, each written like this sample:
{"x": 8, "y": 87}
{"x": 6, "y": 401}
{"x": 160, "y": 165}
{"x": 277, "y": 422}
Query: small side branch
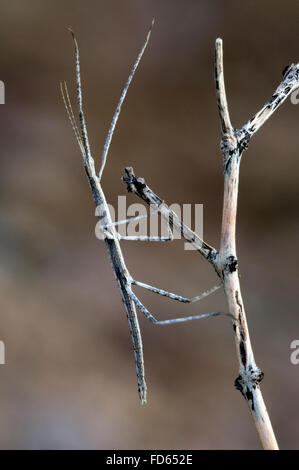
{"x": 172, "y": 321}
{"x": 286, "y": 87}
{"x": 179, "y": 298}
{"x": 87, "y": 158}
{"x": 250, "y": 376}
{"x": 226, "y": 127}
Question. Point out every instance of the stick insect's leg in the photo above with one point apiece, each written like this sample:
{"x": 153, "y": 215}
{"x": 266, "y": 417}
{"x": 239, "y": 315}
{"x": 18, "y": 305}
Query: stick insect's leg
{"x": 153, "y": 320}
{"x": 134, "y": 237}
{"x": 149, "y": 238}
{"x": 138, "y": 238}
{"x": 180, "y": 298}
{"x": 131, "y": 219}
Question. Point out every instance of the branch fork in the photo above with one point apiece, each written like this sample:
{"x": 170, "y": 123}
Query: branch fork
{"x": 225, "y": 262}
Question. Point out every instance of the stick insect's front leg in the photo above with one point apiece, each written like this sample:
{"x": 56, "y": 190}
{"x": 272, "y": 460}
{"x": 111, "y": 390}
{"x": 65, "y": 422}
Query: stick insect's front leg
{"x": 139, "y": 187}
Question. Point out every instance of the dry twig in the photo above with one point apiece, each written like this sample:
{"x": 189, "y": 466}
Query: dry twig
{"x": 233, "y": 143}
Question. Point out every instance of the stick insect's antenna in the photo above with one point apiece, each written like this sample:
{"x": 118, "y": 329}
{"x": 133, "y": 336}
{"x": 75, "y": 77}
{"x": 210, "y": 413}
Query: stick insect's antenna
{"x": 70, "y": 113}
{"x": 121, "y": 100}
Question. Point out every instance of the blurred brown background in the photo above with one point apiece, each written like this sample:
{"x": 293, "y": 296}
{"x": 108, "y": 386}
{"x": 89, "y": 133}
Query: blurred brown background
{"x": 70, "y": 382}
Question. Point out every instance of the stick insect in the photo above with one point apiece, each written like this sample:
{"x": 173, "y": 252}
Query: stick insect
{"x": 109, "y": 233}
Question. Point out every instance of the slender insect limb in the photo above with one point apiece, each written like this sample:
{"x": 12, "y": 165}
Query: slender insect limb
{"x": 125, "y": 221}
{"x": 118, "y": 109}
{"x": 153, "y": 320}
{"x": 141, "y": 238}
{"x": 88, "y": 160}
{"x": 177, "y": 297}
{"x": 130, "y": 219}
{"x": 105, "y": 228}
{"x": 138, "y": 186}
{"x": 117, "y": 236}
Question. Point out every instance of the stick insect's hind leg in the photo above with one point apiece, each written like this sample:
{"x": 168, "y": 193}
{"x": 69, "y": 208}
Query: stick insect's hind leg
{"x": 153, "y": 320}
{"x": 179, "y": 298}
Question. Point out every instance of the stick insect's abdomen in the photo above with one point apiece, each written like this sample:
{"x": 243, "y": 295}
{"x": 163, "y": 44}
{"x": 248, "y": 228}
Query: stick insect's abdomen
{"x": 122, "y": 281}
